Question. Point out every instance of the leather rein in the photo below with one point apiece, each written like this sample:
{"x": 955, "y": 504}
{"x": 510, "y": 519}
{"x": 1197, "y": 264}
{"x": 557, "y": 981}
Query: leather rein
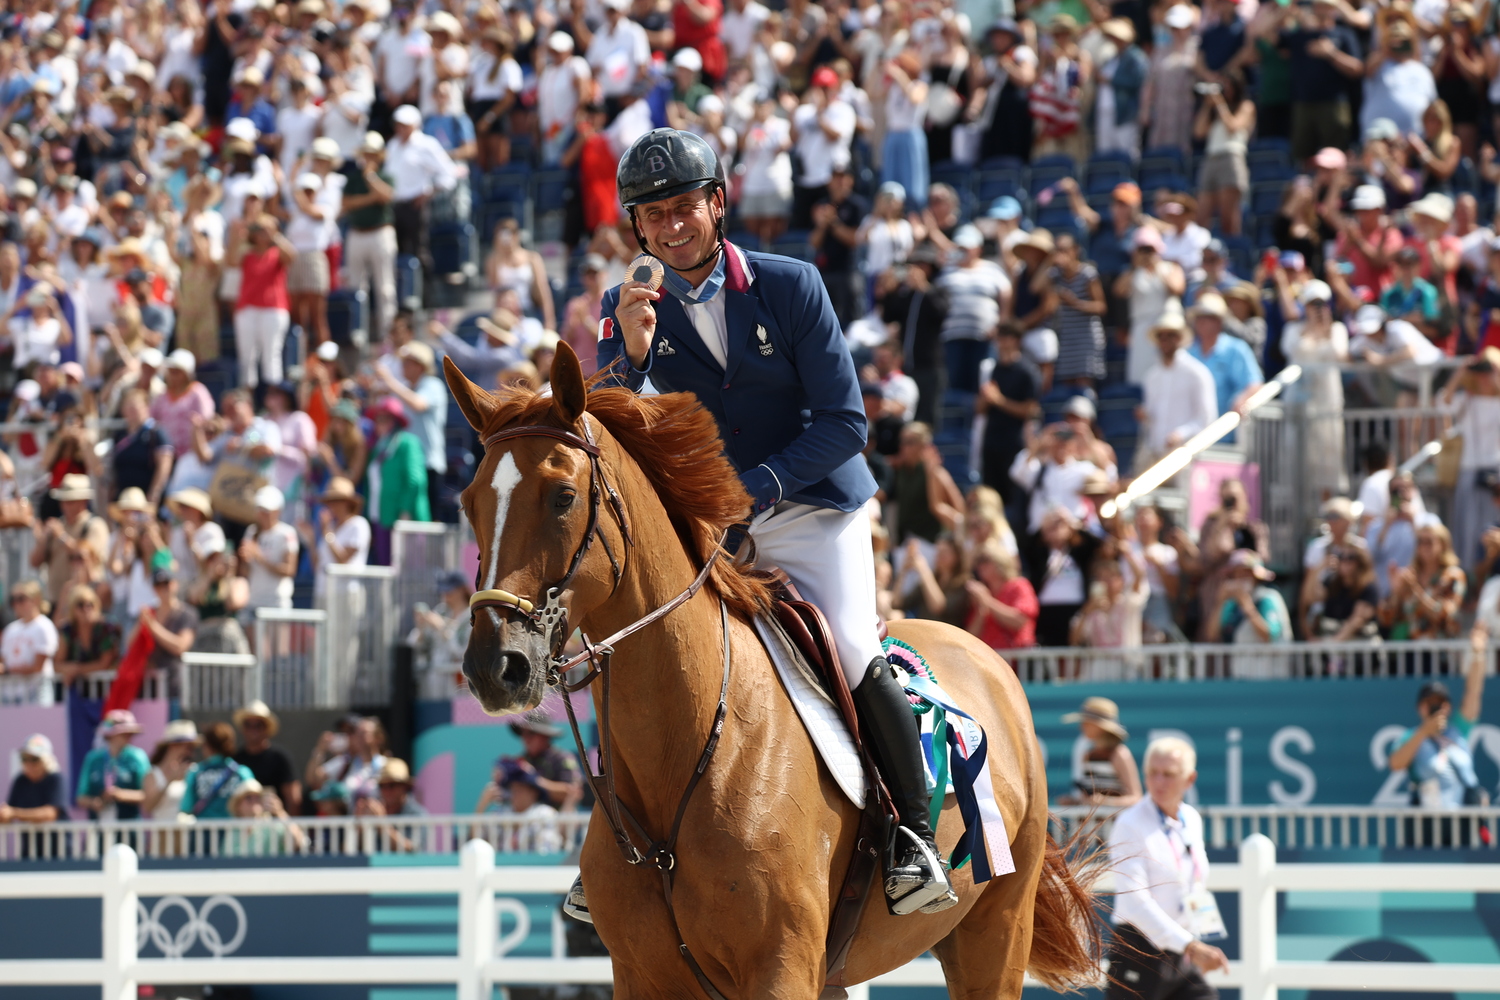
{"x": 553, "y": 616}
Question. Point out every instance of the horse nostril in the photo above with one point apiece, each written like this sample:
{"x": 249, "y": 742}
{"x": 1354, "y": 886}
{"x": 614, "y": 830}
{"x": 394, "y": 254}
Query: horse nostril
{"x": 514, "y": 668}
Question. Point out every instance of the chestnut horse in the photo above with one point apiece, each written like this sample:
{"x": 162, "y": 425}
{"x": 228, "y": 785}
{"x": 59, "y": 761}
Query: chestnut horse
{"x": 767, "y": 836}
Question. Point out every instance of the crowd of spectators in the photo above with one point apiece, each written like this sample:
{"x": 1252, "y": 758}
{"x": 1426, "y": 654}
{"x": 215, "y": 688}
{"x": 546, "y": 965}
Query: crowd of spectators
{"x": 1062, "y": 238}
{"x": 237, "y": 771}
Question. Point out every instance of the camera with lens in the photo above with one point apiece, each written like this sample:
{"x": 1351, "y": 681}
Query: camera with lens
{"x": 1207, "y": 89}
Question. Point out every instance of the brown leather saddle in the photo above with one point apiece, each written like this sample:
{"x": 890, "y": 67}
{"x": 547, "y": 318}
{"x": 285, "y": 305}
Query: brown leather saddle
{"x": 805, "y": 626}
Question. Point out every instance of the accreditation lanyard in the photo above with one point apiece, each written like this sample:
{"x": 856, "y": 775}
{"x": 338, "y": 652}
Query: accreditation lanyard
{"x": 1176, "y": 834}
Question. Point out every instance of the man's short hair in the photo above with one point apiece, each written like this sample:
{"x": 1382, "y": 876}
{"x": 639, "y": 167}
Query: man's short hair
{"x": 1377, "y": 456}
{"x": 1008, "y": 329}
{"x": 1176, "y": 748}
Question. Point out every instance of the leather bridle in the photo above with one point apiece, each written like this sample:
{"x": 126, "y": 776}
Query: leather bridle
{"x": 552, "y": 617}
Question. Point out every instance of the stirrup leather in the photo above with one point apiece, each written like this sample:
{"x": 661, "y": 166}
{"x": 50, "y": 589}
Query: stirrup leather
{"x": 576, "y": 904}
{"x": 911, "y": 888}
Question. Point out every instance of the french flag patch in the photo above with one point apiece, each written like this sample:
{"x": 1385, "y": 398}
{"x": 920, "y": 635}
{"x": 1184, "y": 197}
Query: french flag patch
{"x": 606, "y": 328}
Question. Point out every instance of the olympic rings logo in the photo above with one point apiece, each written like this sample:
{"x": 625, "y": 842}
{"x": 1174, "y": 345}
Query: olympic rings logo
{"x": 195, "y": 928}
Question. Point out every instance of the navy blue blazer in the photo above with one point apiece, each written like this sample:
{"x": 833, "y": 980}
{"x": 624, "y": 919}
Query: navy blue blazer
{"x": 788, "y": 405}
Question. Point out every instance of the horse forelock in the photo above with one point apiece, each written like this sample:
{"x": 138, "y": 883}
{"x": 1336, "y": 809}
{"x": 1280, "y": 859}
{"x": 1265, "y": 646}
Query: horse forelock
{"x": 675, "y": 442}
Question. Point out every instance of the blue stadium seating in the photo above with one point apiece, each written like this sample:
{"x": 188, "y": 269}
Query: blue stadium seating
{"x": 409, "y": 282}
{"x": 1241, "y": 255}
{"x": 958, "y": 176}
{"x": 992, "y": 184}
{"x": 1269, "y": 167}
{"x": 468, "y": 330}
{"x": 455, "y": 248}
{"x": 346, "y": 316}
{"x": 1048, "y": 170}
{"x": 1164, "y": 156}
{"x": 1265, "y": 197}
{"x": 549, "y": 189}
{"x": 1154, "y": 181}
{"x": 508, "y": 183}
{"x": 1103, "y": 177}
{"x": 491, "y": 212}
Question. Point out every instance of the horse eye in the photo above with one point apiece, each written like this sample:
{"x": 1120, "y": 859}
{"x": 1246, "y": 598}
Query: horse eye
{"x": 564, "y": 499}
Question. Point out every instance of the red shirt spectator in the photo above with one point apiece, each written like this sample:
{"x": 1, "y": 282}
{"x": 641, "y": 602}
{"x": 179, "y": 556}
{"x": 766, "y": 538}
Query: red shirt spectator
{"x": 695, "y": 24}
{"x": 264, "y": 282}
{"x": 1004, "y": 606}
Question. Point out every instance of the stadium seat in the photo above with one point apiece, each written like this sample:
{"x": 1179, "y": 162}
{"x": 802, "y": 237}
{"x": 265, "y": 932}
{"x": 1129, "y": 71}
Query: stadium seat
{"x": 1003, "y": 163}
{"x": 1261, "y": 143}
{"x": 1265, "y": 197}
{"x": 1466, "y": 178}
{"x": 1048, "y": 171}
{"x": 455, "y": 249}
{"x": 1152, "y": 182}
{"x": 491, "y": 212}
{"x": 347, "y": 324}
{"x": 1104, "y": 177}
{"x": 508, "y": 183}
{"x": 1241, "y": 255}
{"x": 992, "y": 184}
{"x": 1165, "y": 156}
{"x": 1054, "y": 400}
{"x": 468, "y": 330}
{"x": 549, "y": 190}
{"x": 1270, "y": 167}
{"x": 409, "y": 282}
{"x": 744, "y": 239}
{"x": 1057, "y": 216}
{"x": 958, "y": 176}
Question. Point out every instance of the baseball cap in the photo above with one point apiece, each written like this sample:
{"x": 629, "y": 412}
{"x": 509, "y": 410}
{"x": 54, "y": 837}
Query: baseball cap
{"x": 1367, "y": 196}
{"x": 1146, "y": 236}
{"x": 406, "y": 114}
{"x": 162, "y": 576}
{"x": 688, "y": 58}
{"x": 1127, "y": 193}
{"x": 182, "y": 359}
{"x": 1369, "y": 319}
{"x": 1179, "y": 16}
{"x": 1080, "y": 406}
{"x": 269, "y": 498}
{"x": 1005, "y": 207}
{"x": 1315, "y": 291}
{"x": 560, "y": 41}
{"x": 150, "y": 356}
{"x": 1292, "y": 260}
{"x": 309, "y": 182}
{"x": 242, "y": 128}
{"x": 1330, "y": 158}
{"x": 825, "y": 77}
{"x": 1381, "y": 128}
{"x": 1432, "y": 691}
{"x": 968, "y": 237}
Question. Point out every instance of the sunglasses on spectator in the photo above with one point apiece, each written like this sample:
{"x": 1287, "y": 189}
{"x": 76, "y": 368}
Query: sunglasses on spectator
{"x": 85, "y": 604}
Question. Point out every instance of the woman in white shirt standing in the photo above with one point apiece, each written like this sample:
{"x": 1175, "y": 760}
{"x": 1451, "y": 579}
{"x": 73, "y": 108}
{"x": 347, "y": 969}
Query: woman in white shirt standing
{"x": 38, "y": 335}
{"x": 307, "y": 280}
{"x": 1473, "y": 398}
{"x": 494, "y": 86}
{"x": 1163, "y": 912}
{"x": 904, "y": 153}
{"x": 27, "y": 647}
{"x": 766, "y": 173}
{"x": 173, "y": 754}
{"x": 1321, "y": 343}
{"x": 886, "y": 235}
{"x": 270, "y": 549}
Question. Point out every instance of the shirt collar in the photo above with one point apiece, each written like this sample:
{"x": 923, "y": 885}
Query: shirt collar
{"x": 696, "y": 296}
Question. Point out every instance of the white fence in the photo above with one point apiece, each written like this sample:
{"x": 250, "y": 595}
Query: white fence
{"x": 1330, "y": 826}
{"x": 483, "y": 893}
{"x": 291, "y": 647}
{"x": 362, "y": 630}
{"x": 1279, "y": 661}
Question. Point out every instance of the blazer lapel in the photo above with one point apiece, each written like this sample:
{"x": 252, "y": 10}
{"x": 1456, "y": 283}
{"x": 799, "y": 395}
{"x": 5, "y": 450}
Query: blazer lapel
{"x": 675, "y": 332}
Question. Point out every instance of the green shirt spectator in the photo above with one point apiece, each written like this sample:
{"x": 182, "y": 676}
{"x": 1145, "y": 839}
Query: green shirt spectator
{"x": 113, "y": 777}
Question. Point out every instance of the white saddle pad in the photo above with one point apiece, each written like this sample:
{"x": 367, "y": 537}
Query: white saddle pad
{"x": 820, "y": 716}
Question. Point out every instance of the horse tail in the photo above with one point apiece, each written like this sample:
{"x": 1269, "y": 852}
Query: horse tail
{"x": 1067, "y": 936}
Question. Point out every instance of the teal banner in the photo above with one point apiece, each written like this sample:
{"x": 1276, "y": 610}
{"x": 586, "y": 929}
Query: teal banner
{"x": 1264, "y": 742}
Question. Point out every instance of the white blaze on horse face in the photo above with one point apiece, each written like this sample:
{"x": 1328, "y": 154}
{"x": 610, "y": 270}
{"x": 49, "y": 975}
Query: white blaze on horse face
{"x": 504, "y": 482}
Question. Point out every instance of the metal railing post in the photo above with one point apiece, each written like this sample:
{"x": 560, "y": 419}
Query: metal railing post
{"x": 477, "y": 922}
{"x": 1257, "y": 918}
{"x": 119, "y": 918}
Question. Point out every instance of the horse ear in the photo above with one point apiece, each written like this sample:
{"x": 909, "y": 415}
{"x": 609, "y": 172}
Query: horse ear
{"x": 477, "y": 404}
{"x": 569, "y": 396}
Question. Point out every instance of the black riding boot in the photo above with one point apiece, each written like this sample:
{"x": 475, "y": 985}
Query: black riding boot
{"x": 916, "y": 878}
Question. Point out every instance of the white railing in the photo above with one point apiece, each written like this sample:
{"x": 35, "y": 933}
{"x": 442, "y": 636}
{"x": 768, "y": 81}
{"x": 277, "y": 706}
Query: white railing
{"x": 303, "y": 835}
{"x": 419, "y": 551}
{"x": 291, "y": 645}
{"x": 1278, "y": 661}
{"x": 219, "y": 682}
{"x": 484, "y": 892}
{"x": 362, "y": 630}
{"x": 1322, "y": 826}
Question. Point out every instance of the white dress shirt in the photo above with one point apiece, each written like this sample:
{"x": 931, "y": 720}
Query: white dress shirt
{"x": 1061, "y": 486}
{"x": 1177, "y": 397}
{"x": 1157, "y": 862}
{"x": 418, "y": 165}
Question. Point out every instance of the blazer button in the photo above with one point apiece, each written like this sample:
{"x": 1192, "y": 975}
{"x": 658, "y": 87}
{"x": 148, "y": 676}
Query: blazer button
{"x": 736, "y": 430}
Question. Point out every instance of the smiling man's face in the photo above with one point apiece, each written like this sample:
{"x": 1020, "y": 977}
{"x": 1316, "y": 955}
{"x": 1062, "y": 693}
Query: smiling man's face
{"x": 681, "y": 230}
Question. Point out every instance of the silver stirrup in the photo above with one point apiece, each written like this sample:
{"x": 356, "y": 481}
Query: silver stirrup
{"x": 576, "y": 905}
{"x": 933, "y": 896}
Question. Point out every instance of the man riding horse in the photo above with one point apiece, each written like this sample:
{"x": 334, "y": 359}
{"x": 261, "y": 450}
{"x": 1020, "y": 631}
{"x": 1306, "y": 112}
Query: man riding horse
{"x": 789, "y": 411}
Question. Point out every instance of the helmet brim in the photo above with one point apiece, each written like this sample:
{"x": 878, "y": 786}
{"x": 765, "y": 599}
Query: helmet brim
{"x": 671, "y": 192}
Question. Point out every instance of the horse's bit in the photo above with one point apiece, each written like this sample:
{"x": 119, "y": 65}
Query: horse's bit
{"x": 660, "y": 854}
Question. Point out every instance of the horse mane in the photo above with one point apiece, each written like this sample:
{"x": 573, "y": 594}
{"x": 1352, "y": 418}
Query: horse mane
{"x": 676, "y": 443}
